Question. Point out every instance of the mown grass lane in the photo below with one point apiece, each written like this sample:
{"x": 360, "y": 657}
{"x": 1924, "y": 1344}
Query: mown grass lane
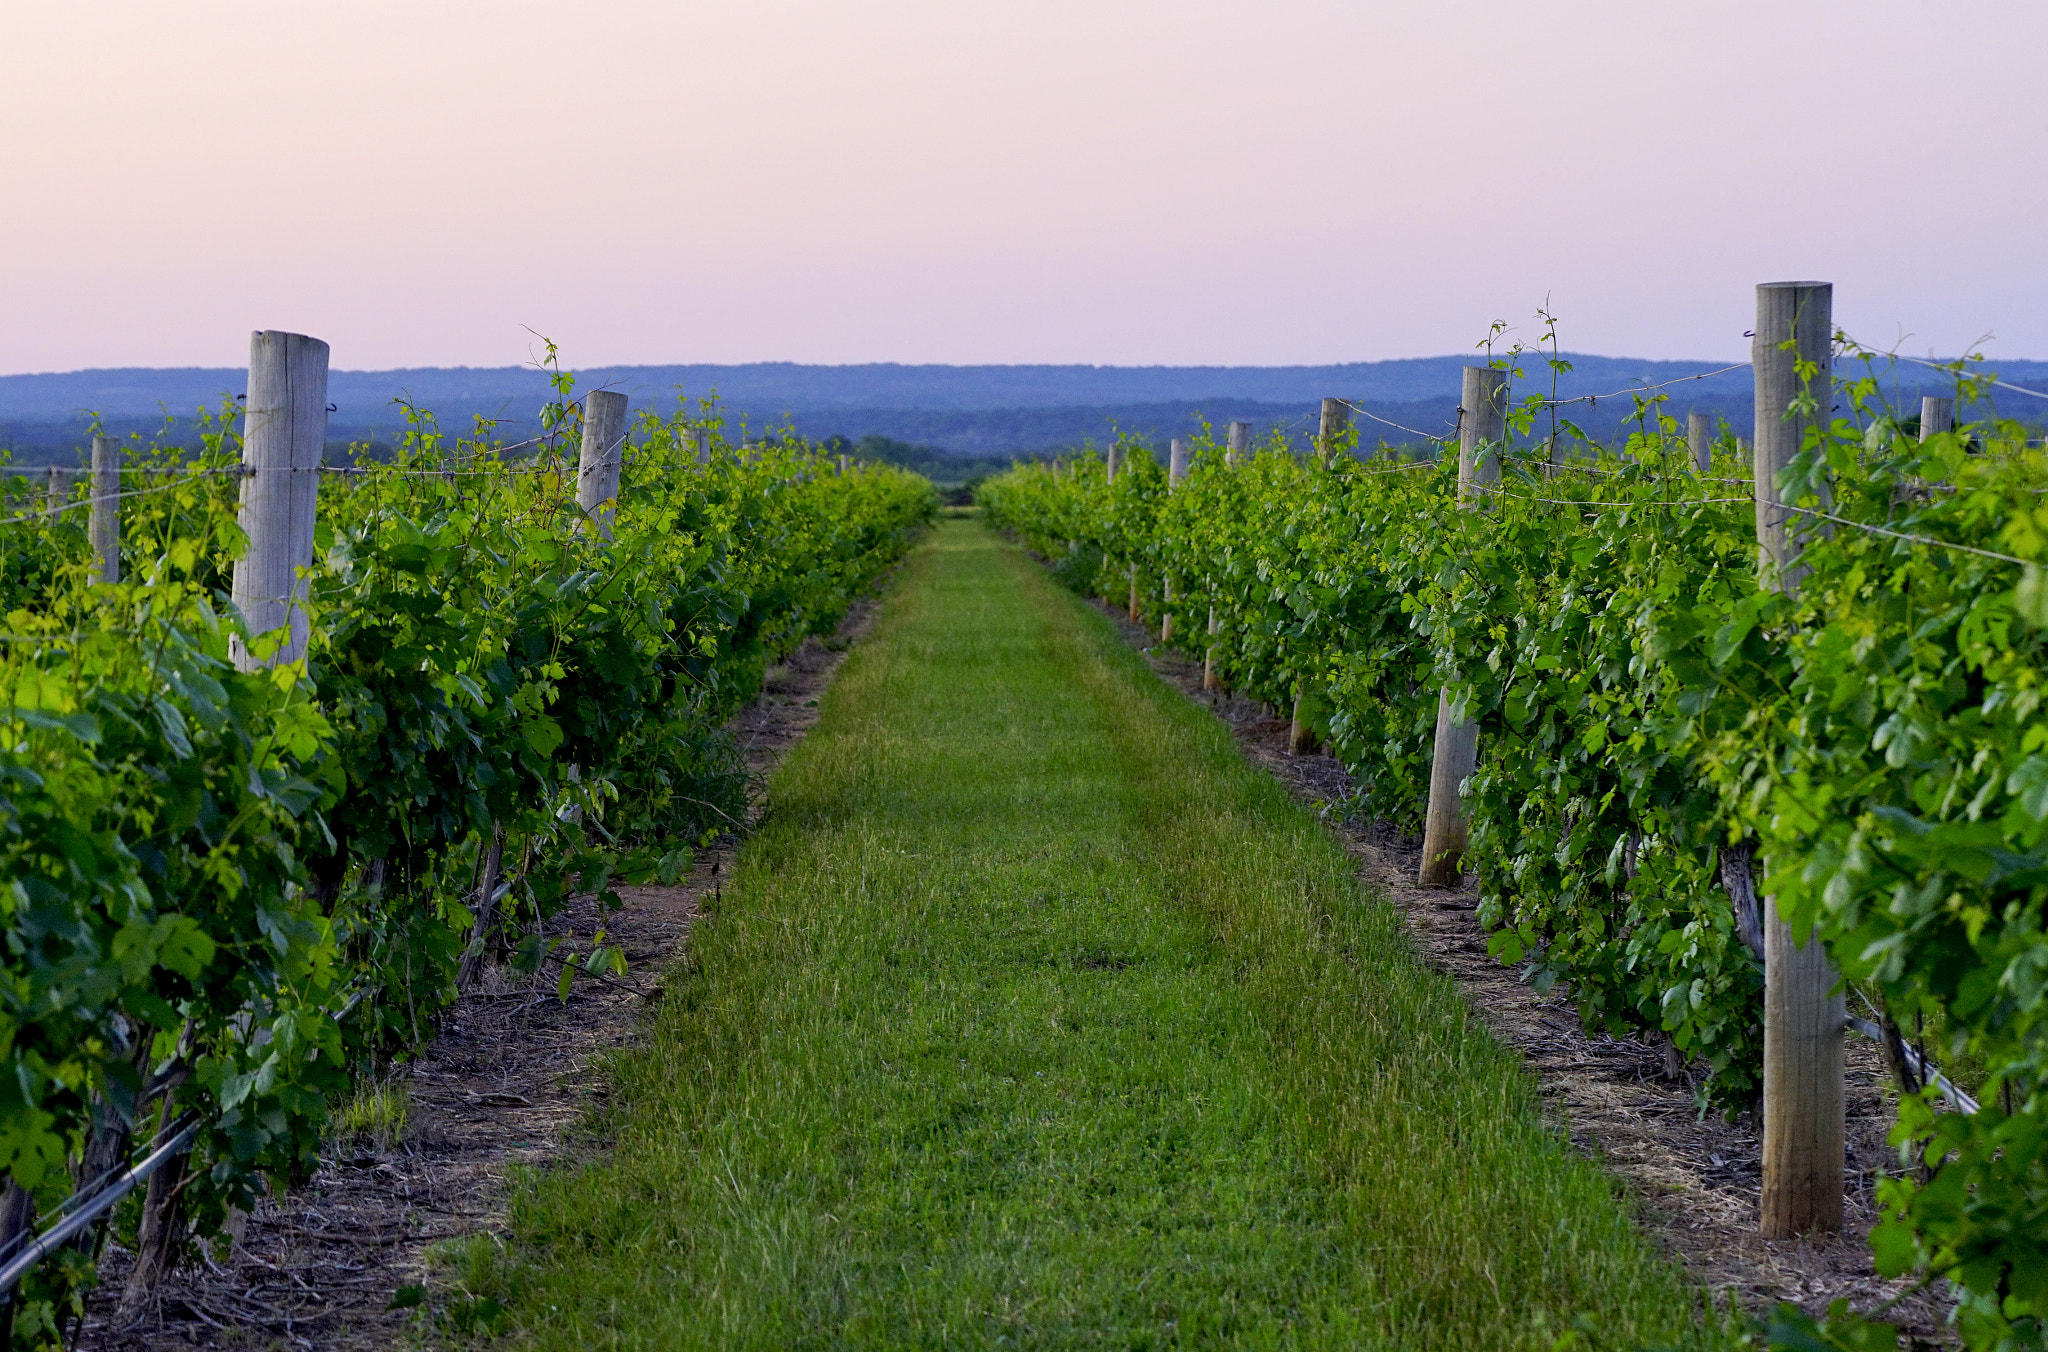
{"x": 1034, "y": 1017}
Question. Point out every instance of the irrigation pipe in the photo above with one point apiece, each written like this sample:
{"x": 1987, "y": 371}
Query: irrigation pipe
{"x": 1920, "y": 1066}
{"x": 55, "y": 1236}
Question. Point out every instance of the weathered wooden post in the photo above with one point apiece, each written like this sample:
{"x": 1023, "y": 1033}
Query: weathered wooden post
{"x": 1483, "y": 426}
{"x": 284, "y": 436}
{"x": 1804, "y": 1012}
{"x": 1699, "y": 435}
{"x": 1301, "y": 739}
{"x": 1333, "y": 420}
{"x": 603, "y": 451}
{"x": 104, "y": 522}
{"x": 1176, "y": 470}
{"x": 845, "y": 465}
{"x": 1115, "y": 460}
{"x": 1332, "y": 423}
{"x": 1798, "y": 313}
{"x": 56, "y": 491}
{"x": 1937, "y": 415}
{"x": 1237, "y": 446}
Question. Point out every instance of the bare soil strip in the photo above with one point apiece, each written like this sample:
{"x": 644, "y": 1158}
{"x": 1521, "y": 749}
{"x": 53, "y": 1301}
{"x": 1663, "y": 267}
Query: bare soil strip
{"x": 503, "y": 1085}
{"x": 1697, "y": 1179}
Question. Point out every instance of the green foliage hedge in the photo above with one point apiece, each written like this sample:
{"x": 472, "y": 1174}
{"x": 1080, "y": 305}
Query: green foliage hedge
{"x": 236, "y": 889}
{"x": 1646, "y": 710}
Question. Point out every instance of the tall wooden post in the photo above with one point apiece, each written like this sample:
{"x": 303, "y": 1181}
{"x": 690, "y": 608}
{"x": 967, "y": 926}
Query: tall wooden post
{"x": 1937, "y": 415}
{"x": 1804, "y": 1012}
{"x": 845, "y": 464}
{"x": 1483, "y": 405}
{"x": 603, "y": 452}
{"x": 56, "y": 491}
{"x": 703, "y": 446}
{"x": 284, "y": 435}
{"x": 104, "y": 522}
{"x": 1801, "y": 313}
{"x": 1237, "y": 446}
{"x": 1699, "y": 435}
{"x": 1176, "y": 470}
{"x": 1116, "y": 456}
{"x": 1332, "y": 422}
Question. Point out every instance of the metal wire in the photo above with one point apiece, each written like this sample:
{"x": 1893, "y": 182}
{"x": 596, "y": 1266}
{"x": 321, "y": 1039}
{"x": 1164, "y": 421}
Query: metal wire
{"x": 1937, "y": 366}
{"x": 1441, "y": 441}
{"x": 179, "y": 478}
{"x": 1578, "y": 502}
{"x": 1642, "y": 389}
{"x": 1580, "y": 467}
{"x": 1902, "y": 535}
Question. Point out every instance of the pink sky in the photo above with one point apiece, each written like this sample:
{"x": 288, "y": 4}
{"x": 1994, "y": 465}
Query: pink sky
{"x": 950, "y": 181}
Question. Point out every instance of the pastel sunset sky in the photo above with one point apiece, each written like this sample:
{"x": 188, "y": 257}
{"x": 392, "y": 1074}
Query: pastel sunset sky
{"x": 956, "y": 181}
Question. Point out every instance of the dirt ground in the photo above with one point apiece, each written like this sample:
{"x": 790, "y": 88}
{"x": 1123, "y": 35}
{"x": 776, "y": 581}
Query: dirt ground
{"x": 1696, "y": 1180}
{"x": 504, "y": 1083}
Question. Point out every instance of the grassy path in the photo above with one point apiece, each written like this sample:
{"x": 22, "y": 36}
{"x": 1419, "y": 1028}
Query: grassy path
{"x": 1034, "y": 1017}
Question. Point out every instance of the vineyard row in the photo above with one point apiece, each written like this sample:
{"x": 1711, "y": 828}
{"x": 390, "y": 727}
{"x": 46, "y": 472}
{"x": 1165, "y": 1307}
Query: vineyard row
{"x": 1730, "y": 734}
{"x": 288, "y": 755}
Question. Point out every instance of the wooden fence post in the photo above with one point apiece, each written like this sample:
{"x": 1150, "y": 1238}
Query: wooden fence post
{"x": 104, "y": 523}
{"x": 603, "y": 451}
{"x": 1804, "y": 1012}
{"x": 1333, "y": 421}
{"x": 1699, "y": 434}
{"x": 1237, "y": 445}
{"x": 1937, "y": 415}
{"x": 1301, "y": 739}
{"x": 284, "y": 435}
{"x": 56, "y": 491}
{"x": 1176, "y": 470}
{"x": 1134, "y": 613}
{"x": 703, "y": 446}
{"x": 1482, "y": 426}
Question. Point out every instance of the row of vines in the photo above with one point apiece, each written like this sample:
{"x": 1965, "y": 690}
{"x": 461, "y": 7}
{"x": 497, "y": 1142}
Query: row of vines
{"x": 229, "y": 894}
{"x": 1651, "y": 719}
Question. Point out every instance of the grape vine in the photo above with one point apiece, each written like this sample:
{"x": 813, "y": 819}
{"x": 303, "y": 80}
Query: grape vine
{"x": 1650, "y": 719}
